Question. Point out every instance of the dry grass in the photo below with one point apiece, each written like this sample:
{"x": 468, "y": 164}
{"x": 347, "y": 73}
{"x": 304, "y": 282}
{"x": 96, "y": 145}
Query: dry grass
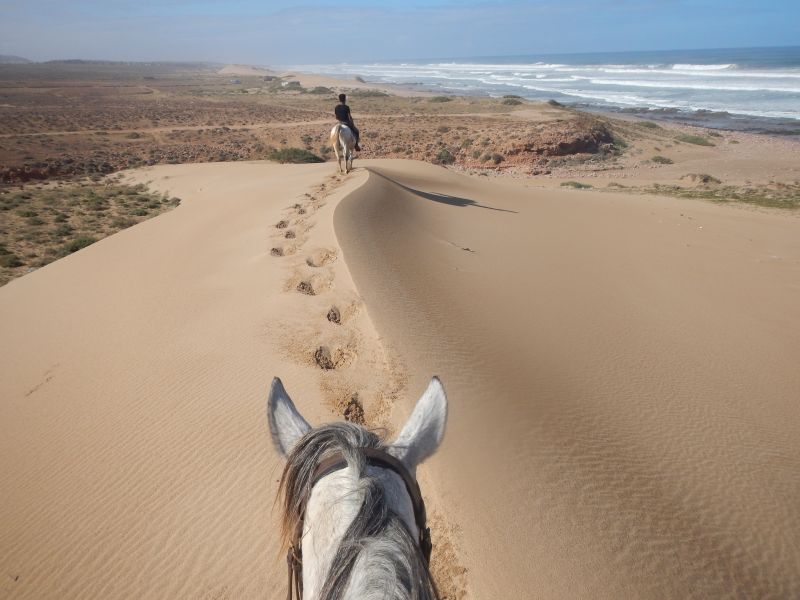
{"x": 44, "y": 223}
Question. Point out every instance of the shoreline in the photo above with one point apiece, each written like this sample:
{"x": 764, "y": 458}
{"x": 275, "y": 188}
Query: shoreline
{"x": 708, "y": 119}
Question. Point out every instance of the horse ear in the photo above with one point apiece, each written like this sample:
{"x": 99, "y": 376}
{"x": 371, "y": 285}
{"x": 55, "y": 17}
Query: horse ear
{"x": 424, "y": 430}
{"x": 286, "y": 424}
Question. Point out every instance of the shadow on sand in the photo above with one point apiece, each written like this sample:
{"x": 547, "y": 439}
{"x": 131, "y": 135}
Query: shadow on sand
{"x": 443, "y": 198}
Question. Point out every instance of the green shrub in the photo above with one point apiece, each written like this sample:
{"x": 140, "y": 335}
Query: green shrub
{"x": 555, "y": 103}
{"x": 10, "y": 260}
{"x": 63, "y": 230}
{"x": 368, "y": 94}
{"x": 619, "y": 143}
{"x": 662, "y": 160}
{"x": 511, "y": 102}
{"x": 575, "y": 184}
{"x": 78, "y": 244}
{"x": 513, "y": 96}
{"x": 649, "y": 125}
{"x": 441, "y": 99}
{"x": 697, "y": 140}
{"x": 321, "y": 89}
{"x": 122, "y": 222}
{"x": 444, "y": 157}
{"x": 498, "y": 158}
{"x": 294, "y": 155}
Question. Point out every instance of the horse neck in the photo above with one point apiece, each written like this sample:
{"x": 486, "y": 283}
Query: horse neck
{"x": 333, "y": 505}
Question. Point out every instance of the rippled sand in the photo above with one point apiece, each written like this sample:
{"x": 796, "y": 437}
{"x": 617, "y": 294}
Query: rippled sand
{"x": 622, "y": 373}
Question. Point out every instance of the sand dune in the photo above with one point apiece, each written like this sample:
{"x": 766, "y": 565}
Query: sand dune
{"x": 622, "y": 375}
{"x": 134, "y": 453}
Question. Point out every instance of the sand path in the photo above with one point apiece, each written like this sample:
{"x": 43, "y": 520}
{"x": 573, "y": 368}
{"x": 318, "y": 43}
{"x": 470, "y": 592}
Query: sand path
{"x": 622, "y": 374}
{"x": 134, "y": 453}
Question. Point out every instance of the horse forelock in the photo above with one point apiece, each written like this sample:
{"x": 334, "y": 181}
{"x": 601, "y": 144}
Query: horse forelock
{"x": 377, "y": 541}
{"x": 316, "y": 446}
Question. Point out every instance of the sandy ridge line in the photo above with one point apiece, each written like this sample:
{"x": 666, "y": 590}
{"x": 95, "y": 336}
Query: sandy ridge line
{"x": 331, "y": 331}
{"x": 360, "y": 380}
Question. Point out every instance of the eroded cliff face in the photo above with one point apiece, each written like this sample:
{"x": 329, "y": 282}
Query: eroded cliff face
{"x": 581, "y": 136}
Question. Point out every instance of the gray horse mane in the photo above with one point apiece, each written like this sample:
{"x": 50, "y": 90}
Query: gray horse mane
{"x": 377, "y": 540}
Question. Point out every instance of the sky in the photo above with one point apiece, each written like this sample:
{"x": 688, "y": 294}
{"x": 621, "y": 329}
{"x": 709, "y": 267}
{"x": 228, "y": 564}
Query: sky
{"x": 290, "y": 33}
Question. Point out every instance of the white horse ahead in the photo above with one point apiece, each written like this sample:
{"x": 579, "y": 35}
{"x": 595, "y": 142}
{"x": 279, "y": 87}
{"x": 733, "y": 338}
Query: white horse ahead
{"x": 353, "y": 517}
{"x": 344, "y": 142}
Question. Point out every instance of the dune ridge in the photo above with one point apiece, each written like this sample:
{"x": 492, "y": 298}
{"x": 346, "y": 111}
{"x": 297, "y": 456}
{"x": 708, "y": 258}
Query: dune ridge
{"x": 621, "y": 372}
{"x": 622, "y": 375}
{"x": 134, "y": 453}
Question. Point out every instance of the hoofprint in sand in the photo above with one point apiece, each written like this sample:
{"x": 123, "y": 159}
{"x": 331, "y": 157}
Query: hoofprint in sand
{"x": 135, "y": 456}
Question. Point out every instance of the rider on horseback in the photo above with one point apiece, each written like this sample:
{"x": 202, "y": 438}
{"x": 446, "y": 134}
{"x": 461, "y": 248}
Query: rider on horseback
{"x": 342, "y": 112}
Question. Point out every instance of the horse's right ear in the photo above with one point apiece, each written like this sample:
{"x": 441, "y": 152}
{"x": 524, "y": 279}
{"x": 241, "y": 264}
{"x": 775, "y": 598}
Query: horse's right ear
{"x": 424, "y": 429}
{"x": 285, "y": 424}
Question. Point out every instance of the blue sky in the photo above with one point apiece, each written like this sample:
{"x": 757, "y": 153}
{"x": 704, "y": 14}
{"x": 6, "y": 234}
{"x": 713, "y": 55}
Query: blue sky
{"x": 283, "y": 33}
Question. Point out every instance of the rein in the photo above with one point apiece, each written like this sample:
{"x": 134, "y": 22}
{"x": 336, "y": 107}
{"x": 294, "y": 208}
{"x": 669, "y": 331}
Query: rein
{"x": 336, "y": 462}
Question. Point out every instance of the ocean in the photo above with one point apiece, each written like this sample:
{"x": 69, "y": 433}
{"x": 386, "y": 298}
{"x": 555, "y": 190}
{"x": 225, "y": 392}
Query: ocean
{"x": 754, "y": 89}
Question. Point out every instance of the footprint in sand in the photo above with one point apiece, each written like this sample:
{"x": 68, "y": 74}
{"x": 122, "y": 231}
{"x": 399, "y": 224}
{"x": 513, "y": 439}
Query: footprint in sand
{"x": 321, "y": 257}
{"x": 288, "y": 250}
{"x": 327, "y": 359}
{"x": 313, "y": 286}
{"x": 334, "y": 315}
{"x": 354, "y": 411}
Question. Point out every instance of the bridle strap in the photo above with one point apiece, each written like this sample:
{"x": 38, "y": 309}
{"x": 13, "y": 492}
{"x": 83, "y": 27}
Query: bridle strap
{"x": 336, "y": 462}
{"x": 384, "y": 460}
{"x": 294, "y": 564}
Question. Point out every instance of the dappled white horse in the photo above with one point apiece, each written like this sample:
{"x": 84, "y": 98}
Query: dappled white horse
{"x": 353, "y": 516}
{"x": 344, "y": 142}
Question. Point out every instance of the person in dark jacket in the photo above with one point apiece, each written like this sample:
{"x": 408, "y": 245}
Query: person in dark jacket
{"x": 342, "y": 112}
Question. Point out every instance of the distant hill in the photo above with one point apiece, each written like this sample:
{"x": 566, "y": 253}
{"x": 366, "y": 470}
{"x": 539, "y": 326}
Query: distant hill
{"x": 13, "y": 60}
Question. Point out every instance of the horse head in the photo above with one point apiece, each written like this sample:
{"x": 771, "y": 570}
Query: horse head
{"x": 351, "y": 504}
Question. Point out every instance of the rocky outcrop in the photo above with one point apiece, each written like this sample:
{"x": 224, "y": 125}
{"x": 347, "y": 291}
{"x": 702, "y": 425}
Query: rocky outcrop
{"x": 579, "y": 136}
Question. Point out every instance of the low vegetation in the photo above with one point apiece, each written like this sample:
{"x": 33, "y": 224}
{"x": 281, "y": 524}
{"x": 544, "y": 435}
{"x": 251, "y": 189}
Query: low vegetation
{"x": 294, "y": 155}
{"x": 441, "y": 99}
{"x": 44, "y": 223}
{"x": 773, "y": 195}
{"x": 511, "y": 101}
{"x": 576, "y": 184}
{"x": 697, "y": 140}
{"x": 445, "y": 157}
{"x": 707, "y": 187}
{"x": 662, "y": 160}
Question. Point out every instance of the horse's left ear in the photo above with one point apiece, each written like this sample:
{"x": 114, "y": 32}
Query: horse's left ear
{"x": 424, "y": 430}
{"x": 286, "y": 424}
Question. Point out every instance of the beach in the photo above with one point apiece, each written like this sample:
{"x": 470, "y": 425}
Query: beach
{"x": 612, "y": 306}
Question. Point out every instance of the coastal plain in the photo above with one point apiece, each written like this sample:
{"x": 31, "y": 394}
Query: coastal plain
{"x": 619, "y": 353}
